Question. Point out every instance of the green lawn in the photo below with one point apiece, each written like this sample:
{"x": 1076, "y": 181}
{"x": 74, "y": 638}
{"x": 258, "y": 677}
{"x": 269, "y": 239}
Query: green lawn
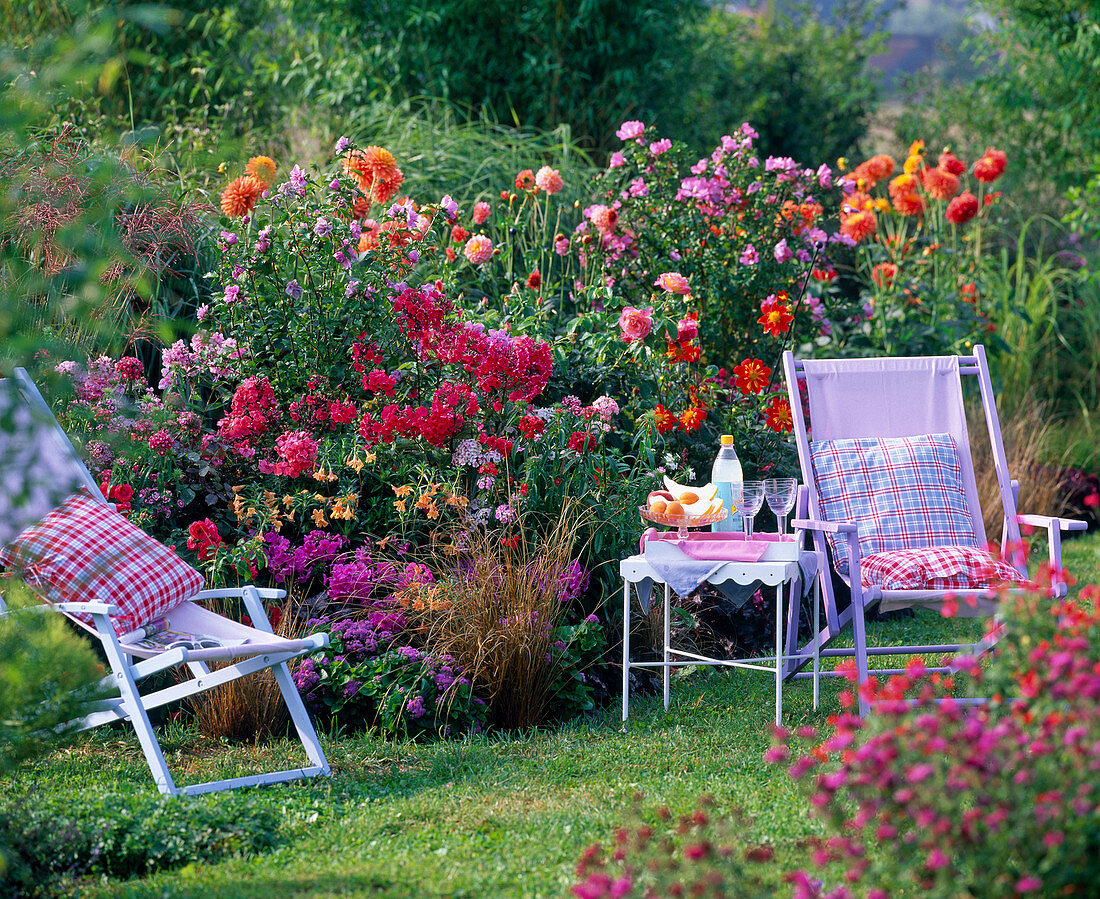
{"x": 488, "y": 816}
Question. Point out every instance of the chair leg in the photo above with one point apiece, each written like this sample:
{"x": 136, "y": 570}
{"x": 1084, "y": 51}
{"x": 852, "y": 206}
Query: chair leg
{"x": 300, "y": 716}
{"x": 132, "y": 705}
{"x": 859, "y": 629}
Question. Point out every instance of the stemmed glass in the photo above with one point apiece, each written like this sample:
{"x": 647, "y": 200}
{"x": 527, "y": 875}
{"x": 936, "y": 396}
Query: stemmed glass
{"x": 780, "y": 494}
{"x": 752, "y": 498}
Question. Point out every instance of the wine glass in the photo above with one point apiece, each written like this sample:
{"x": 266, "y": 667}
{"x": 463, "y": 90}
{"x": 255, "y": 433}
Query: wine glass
{"x": 752, "y": 498}
{"x": 780, "y": 494}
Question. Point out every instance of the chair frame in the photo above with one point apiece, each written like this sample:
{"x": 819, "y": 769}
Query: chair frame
{"x": 808, "y": 518}
{"x": 127, "y": 671}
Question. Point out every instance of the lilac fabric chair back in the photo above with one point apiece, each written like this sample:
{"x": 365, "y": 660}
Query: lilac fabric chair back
{"x": 891, "y": 397}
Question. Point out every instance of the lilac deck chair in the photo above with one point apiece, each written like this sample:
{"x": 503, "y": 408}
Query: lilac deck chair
{"x": 185, "y": 634}
{"x": 890, "y": 494}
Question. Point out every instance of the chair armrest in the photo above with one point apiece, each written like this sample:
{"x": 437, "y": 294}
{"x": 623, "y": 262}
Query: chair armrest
{"x": 1049, "y": 521}
{"x": 237, "y": 592}
{"x": 826, "y": 527}
{"x": 86, "y": 608}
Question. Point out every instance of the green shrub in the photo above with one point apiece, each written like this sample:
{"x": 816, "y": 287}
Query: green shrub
{"x": 46, "y": 677}
{"x": 45, "y": 838}
{"x": 802, "y": 81}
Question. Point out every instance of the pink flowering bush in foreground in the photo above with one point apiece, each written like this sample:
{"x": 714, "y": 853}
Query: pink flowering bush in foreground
{"x": 993, "y": 800}
{"x": 926, "y": 796}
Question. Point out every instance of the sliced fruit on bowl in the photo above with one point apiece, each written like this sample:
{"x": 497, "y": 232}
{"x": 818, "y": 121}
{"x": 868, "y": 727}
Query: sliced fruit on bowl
{"x": 695, "y": 501}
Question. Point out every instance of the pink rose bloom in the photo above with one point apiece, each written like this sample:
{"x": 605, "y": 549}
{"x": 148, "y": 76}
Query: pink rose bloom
{"x": 782, "y": 252}
{"x": 673, "y": 282}
{"x": 636, "y": 323}
{"x": 478, "y": 249}
{"x": 617, "y": 159}
{"x": 549, "y": 180}
{"x": 687, "y": 329}
{"x": 630, "y": 130}
{"x": 660, "y": 146}
{"x": 480, "y": 213}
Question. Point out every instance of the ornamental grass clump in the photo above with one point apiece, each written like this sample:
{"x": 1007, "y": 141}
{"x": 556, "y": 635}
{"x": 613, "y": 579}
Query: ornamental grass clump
{"x": 502, "y": 611}
{"x": 957, "y": 800}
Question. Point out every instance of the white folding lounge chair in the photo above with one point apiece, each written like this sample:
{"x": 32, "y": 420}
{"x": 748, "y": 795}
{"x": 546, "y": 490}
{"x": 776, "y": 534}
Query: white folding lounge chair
{"x": 185, "y": 635}
{"x": 913, "y": 408}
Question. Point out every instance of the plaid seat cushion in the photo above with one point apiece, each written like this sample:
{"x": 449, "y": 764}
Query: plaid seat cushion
{"x": 84, "y": 551}
{"x": 935, "y": 568}
{"x": 903, "y": 492}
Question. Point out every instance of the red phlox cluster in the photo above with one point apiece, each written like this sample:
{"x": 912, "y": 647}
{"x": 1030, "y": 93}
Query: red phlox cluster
{"x": 251, "y": 413}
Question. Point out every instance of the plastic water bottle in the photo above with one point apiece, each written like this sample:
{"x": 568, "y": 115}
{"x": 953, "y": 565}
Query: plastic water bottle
{"x": 726, "y": 475}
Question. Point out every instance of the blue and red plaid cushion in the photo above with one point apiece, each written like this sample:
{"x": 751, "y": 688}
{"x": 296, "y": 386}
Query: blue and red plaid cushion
{"x": 84, "y": 551}
{"x": 935, "y": 568}
{"x": 903, "y": 492}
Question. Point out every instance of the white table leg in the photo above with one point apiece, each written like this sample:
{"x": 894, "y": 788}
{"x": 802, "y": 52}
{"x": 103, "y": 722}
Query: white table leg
{"x": 779, "y": 654}
{"x": 626, "y": 651}
{"x": 668, "y": 633}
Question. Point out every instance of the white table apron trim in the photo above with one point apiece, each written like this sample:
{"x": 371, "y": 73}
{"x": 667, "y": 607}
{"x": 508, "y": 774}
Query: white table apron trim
{"x": 773, "y": 574}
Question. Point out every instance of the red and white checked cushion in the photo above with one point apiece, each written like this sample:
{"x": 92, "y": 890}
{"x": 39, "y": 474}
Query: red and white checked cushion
{"x": 935, "y": 568}
{"x": 903, "y": 492}
{"x": 84, "y": 551}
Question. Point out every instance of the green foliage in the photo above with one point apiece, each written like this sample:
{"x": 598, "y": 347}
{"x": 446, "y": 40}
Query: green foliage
{"x": 1030, "y": 96}
{"x": 803, "y": 82}
{"x": 47, "y": 677}
{"x": 45, "y": 839}
{"x": 537, "y": 64}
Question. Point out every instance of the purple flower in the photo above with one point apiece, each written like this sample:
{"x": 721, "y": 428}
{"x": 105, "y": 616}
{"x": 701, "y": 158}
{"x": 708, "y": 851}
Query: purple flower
{"x": 749, "y": 256}
{"x": 233, "y": 294}
{"x": 638, "y": 188}
{"x": 415, "y": 707}
{"x": 298, "y": 179}
{"x": 229, "y": 237}
{"x": 449, "y": 207}
{"x": 293, "y": 290}
{"x": 322, "y": 227}
{"x": 748, "y": 131}
{"x": 342, "y": 144}
{"x": 782, "y": 252}
{"x": 824, "y": 176}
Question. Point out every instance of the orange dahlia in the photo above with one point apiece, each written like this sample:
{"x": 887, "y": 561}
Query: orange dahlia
{"x": 880, "y": 166}
{"x": 376, "y": 172}
{"x": 991, "y": 166}
{"x": 690, "y": 419}
{"x": 859, "y": 225}
{"x": 262, "y": 168}
{"x": 909, "y": 204}
{"x": 940, "y": 183}
{"x": 904, "y": 183}
{"x": 240, "y": 195}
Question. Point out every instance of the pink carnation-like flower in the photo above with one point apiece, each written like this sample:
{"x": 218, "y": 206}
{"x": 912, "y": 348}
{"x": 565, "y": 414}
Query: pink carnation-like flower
{"x": 549, "y": 180}
{"x": 480, "y": 213}
{"x": 478, "y": 249}
{"x": 129, "y": 369}
{"x": 630, "y": 130}
{"x": 673, "y": 282}
{"x": 617, "y": 160}
{"x": 298, "y": 450}
{"x": 660, "y": 146}
{"x": 160, "y": 442}
{"x": 636, "y": 323}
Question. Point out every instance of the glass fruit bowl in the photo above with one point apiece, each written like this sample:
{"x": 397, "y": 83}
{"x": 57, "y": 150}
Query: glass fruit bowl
{"x": 683, "y": 522}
